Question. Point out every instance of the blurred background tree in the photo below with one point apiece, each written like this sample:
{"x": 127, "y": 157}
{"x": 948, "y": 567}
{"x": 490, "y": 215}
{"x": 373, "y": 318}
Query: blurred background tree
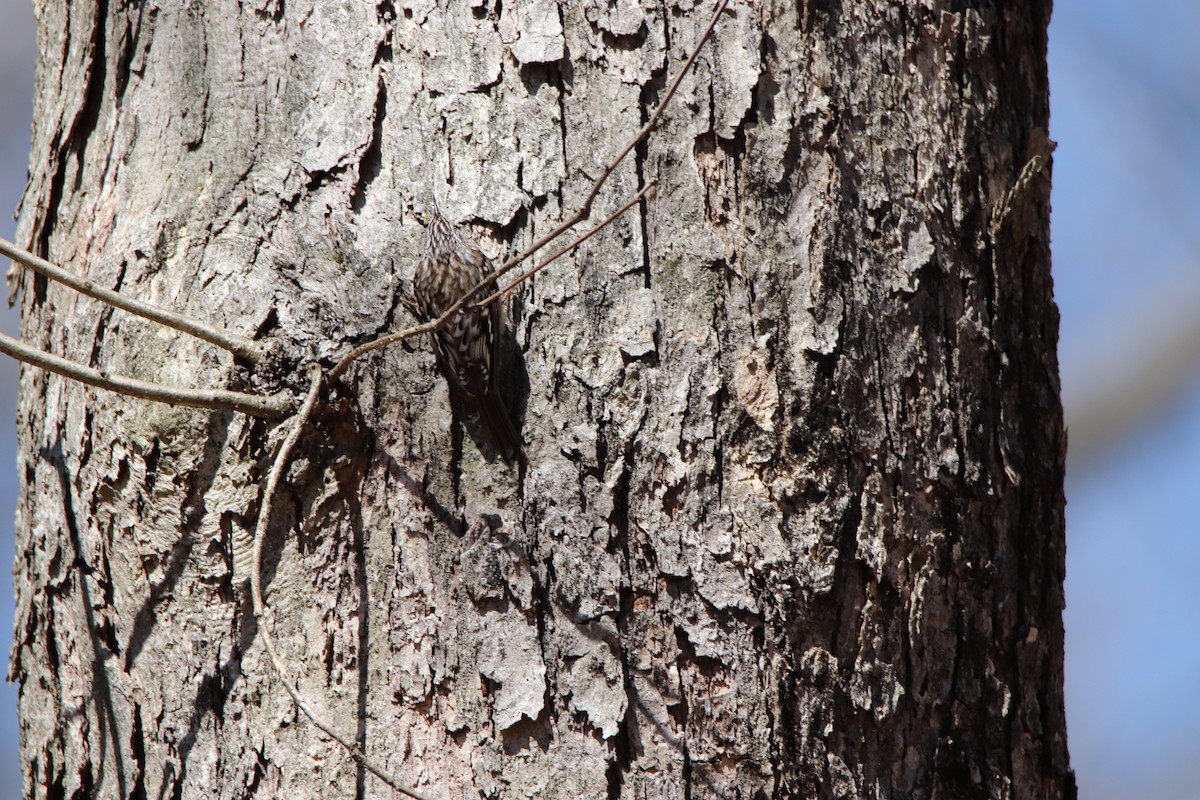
{"x": 1125, "y": 83}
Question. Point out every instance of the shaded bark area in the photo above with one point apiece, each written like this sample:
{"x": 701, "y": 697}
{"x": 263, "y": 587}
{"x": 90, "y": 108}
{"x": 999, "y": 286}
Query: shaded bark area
{"x": 792, "y": 520}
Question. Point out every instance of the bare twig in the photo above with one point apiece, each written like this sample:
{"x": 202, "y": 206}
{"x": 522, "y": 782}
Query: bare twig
{"x": 652, "y": 123}
{"x": 234, "y": 343}
{"x": 299, "y": 421}
{"x": 584, "y": 211}
{"x": 274, "y": 407}
{"x": 524, "y": 276}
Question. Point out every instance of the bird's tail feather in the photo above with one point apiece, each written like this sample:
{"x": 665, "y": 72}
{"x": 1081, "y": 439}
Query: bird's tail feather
{"x": 495, "y": 418}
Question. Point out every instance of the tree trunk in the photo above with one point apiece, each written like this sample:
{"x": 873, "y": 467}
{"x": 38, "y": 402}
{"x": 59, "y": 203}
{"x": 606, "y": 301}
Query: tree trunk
{"x": 791, "y": 523}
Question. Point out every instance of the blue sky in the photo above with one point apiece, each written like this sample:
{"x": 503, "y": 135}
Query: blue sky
{"x": 1125, "y": 98}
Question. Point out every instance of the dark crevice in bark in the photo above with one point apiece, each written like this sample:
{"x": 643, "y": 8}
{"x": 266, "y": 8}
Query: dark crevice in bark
{"x": 681, "y": 712}
{"x": 129, "y": 46}
{"x": 846, "y": 596}
{"x": 371, "y": 162}
{"x": 85, "y": 122}
{"x": 174, "y": 781}
{"x": 385, "y": 12}
{"x": 75, "y": 141}
{"x": 618, "y": 519}
{"x": 85, "y": 453}
{"x": 137, "y": 747}
{"x": 543, "y": 611}
{"x": 934, "y": 279}
{"x": 87, "y": 786}
{"x": 47, "y": 760}
{"x": 560, "y": 76}
{"x": 774, "y": 747}
{"x": 646, "y": 102}
{"x": 601, "y": 466}
{"x": 791, "y": 686}
{"x": 362, "y": 582}
{"x": 225, "y": 525}
{"x": 622, "y": 741}
{"x": 513, "y": 376}
{"x": 719, "y": 402}
{"x": 625, "y": 41}
{"x": 272, "y": 10}
{"x": 317, "y": 180}
{"x": 95, "y": 357}
{"x": 260, "y": 772}
{"x": 194, "y": 121}
{"x": 881, "y": 373}
{"x": 762, "y": 110}
{"x": 55, "y": 789}
{"x": 106, "y": 632}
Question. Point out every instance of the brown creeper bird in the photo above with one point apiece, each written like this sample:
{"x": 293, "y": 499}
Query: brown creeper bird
{"x": 469, "y": 343}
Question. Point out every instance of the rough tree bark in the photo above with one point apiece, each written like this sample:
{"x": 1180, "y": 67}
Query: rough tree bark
{"x": 792, "y": 521}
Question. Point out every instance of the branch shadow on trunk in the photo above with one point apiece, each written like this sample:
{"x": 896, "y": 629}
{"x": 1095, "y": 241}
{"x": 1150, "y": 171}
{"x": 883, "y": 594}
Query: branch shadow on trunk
{"x": 101, "y": 691}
